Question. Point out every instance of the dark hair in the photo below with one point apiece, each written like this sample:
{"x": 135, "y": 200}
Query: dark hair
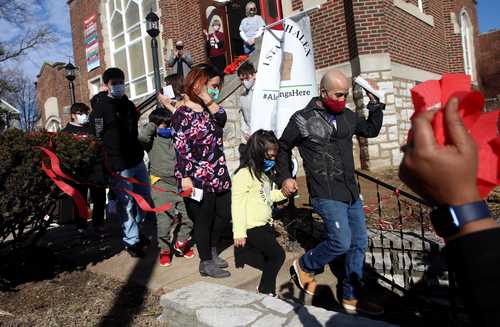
{"x": 78, "y": 107}
{"x": 160, "y": 116}
{"x": 112, "y": 73}
{"x": 246, "y": 68}
{"x": 255, "y": 152}
{"x": 199, "y": 74}
{"x": 177, "y": 82}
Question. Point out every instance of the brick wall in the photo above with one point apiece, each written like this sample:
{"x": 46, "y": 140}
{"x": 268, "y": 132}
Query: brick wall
{"x": 79, "y": 11}
{"x": 329, "y": 34}
{"x": 489, "y": 63}
{"x": 51, "y": 82}
{"x": 182, "y": 20}
{"x": 415, "y": 43}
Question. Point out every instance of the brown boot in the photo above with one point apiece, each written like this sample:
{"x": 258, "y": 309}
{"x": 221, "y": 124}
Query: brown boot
{"x": 306, "y": 280}
{"x": 362, "y": 306}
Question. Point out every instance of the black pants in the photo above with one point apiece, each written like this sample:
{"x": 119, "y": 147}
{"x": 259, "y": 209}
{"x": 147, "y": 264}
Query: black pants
{"x": 219, "y": 62}
{"x": 263, "y": 252}
{"x": 98, "y": 198}
{"x": 210, "y": 217}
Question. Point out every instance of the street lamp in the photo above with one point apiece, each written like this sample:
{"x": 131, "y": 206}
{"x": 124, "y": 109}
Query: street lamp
{"x": 153, "y": 29}
{"x": 70, "y": 73}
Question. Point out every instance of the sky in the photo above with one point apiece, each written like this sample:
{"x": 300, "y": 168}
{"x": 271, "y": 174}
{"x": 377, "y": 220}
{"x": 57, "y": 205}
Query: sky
{"x": 488, "y": 13}
{"x": 56, "y": 14}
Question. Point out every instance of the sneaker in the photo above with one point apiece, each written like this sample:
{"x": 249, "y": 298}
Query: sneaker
{"x": 184, "y": 249}
{"x": 369, "y": 308}
{"x": 165, "y": 259}
{"x": 135, "y": 250}
{"x": 305, "y": 280}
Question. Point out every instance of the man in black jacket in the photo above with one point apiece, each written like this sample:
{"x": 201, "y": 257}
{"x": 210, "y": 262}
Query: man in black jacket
{"x": 114, "y": 120}
{"x": 323, "y": 132}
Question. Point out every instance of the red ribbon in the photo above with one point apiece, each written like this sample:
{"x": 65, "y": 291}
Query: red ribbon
{"x": 81, "y": 204}
{"x": 55, "y": 171}
{"x": 481, "y": 126}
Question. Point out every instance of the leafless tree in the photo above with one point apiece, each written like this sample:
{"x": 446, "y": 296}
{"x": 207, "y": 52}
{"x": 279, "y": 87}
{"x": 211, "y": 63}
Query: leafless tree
{"x": 24, "y": 100}
{"x": 20, "y": 14}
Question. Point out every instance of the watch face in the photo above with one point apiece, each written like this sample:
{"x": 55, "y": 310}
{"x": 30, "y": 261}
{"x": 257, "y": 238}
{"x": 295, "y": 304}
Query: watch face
{"x": 453, "y": 216}
{"x": 445, "y": 221}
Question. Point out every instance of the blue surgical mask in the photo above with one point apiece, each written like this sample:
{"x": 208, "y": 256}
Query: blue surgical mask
{"x": 165, "y": 132}
{"x": 118, "y": 90}
{"x": 214, "y": 94}
{"x": 269, "y": 164}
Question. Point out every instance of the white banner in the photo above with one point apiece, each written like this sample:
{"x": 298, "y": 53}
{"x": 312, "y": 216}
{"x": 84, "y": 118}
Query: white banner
{"x": 286, "y": 78}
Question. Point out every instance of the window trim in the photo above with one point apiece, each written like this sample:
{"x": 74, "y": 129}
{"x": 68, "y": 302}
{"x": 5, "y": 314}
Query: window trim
{"x": 128, "y": 43}
{"x": 414, "y": 11}
{"x": 90, "y": 84}
{"x": 467, "y": 39}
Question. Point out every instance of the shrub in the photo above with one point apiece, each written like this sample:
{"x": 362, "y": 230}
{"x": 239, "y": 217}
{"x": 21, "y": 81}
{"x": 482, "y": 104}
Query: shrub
{"x": 27, "y": 195}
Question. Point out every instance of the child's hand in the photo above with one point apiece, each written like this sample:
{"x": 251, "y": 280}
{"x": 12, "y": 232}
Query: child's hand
{"x": 239, "y": 242}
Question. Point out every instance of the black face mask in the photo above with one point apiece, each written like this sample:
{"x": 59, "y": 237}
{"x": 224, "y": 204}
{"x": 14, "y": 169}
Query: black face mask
{"x": 179, "y": 48}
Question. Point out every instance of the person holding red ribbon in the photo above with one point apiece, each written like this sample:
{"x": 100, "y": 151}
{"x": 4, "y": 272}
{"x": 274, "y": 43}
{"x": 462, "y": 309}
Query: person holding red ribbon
{"x": 114, "y": 121}
{"x": 323, "y": 131}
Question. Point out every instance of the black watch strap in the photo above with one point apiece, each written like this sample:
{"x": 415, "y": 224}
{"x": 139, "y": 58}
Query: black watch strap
{"x": 469, "y": 212}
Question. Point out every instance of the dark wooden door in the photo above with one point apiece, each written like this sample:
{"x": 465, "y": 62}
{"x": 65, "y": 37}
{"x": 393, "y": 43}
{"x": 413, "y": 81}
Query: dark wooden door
{"x": 211, "y": 11}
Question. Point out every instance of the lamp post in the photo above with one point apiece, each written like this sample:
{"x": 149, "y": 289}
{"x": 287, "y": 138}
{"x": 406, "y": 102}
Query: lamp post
{"x": 70, "y": 73}
{"x": 153, "y": 29}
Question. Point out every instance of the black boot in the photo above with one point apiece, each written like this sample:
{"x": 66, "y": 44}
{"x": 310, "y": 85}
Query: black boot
{"x": 208, "y": 268}
{"x": 219, "y": 262}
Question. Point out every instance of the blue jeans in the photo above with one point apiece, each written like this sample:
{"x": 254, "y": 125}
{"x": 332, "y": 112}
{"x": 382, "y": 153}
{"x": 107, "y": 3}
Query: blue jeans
{"x": 131, "y": 215}
{"x": 346, "y": 234}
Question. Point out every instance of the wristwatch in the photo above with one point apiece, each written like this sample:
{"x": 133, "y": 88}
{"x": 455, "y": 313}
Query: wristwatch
{"x": 448, "y": 220}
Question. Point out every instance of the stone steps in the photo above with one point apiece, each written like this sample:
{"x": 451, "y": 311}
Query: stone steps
{"x": 211, "y": 305}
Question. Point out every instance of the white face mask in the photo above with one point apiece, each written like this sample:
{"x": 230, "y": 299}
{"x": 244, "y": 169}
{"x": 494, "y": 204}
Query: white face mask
{"x": 248, "y": 83}
{"x": 82, "y": 119}
{"x": 216, "y": 28}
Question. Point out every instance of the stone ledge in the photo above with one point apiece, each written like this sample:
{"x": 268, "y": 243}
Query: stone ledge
{"x": 414, "y": 11}
{"x": 205, "y": 304}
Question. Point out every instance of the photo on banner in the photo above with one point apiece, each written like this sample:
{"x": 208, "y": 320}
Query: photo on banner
{"x": 286, "y": 75}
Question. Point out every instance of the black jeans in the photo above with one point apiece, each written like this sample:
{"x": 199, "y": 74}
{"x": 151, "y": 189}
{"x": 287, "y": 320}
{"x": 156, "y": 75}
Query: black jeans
{"x": 263, "y": 252}
{"x": 210, "y": 217}
{"x": 98, "y": 198}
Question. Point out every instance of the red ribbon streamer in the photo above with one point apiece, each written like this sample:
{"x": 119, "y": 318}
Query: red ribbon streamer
{"x": 77, "y": 197}
{"x": 81, "y": 204}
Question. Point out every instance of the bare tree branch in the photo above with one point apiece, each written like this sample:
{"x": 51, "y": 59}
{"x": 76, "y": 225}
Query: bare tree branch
{"x": 30, "y": 40}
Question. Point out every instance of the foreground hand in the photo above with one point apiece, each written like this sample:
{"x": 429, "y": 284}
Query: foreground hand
{"x": 441, "y": 174}
{"x": 240, "y": 242}
{"x": 289, "y": 187}
{"x": 187, "y": 184}
{"x": 205, "y": 32}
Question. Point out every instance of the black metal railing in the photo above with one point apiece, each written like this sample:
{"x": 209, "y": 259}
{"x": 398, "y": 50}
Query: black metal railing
{"x": 404, "y": 251}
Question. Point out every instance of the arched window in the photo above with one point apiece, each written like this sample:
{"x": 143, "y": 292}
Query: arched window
{"x": 467, "y": 33}
{"x": 130, "y": 44}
